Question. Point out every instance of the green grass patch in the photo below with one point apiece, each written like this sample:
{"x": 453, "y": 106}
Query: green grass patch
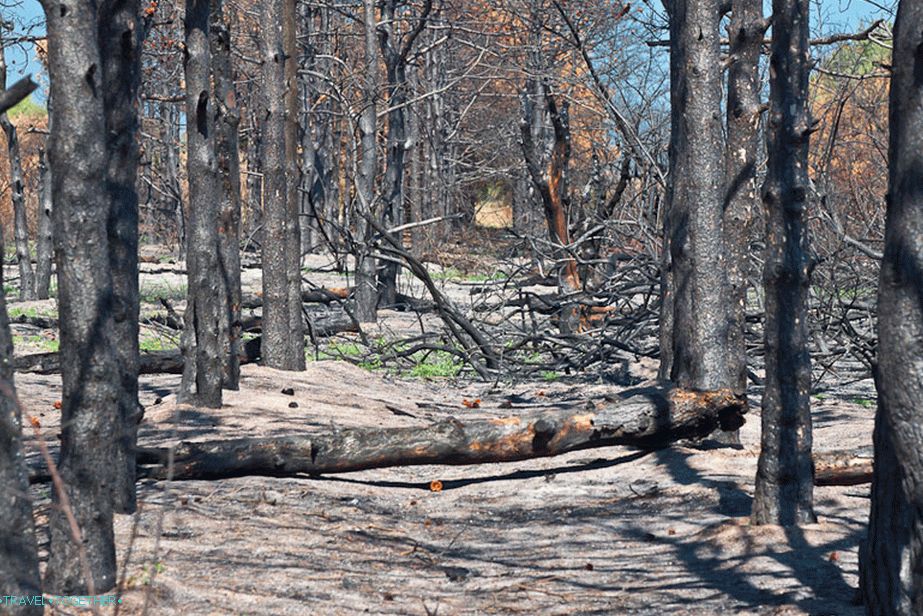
{"x": 46, "y": 345}
{"x": 153, "y": 293}
{"x": 550, "y": 375}
{"x": 435, "y": 365}
{"x": 157, "y": 343}
{"x": 31, "y": 313}
{"x": 866, "y": 403}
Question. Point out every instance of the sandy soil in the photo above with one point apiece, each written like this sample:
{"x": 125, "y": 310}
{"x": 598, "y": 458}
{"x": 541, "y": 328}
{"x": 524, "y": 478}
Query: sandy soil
{"x": 607, "y": 531}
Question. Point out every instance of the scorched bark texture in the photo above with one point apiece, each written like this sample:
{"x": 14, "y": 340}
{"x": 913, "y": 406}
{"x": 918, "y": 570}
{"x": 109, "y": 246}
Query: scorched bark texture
{"x": 784, "y": 479}
{"x": 649, "y": 418}
{"x": 892, "y": 561}
{"x": 91, "y": 434}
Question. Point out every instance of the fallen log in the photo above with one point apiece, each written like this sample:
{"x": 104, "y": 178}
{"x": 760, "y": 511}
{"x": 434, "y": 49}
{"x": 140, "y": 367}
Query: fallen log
{"x": 308, "y": 296}
{"x": 842, "y": 468}
{"x": 152, "y": 362}
{"x": 647, "y": 418}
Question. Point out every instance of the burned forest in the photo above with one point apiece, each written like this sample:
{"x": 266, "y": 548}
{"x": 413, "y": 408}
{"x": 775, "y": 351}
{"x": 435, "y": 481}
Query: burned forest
{"x": 441, "y": 307}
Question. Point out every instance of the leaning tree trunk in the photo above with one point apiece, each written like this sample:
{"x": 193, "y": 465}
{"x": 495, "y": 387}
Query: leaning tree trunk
{"x": 784, "y": 477}
{"x": 283, "y": 342}
{"x": 19, "y": 574}
{"x": 202, "y": 344}
{"x": 366, "y": 286}
{"x": 699, "y": 334}
{"x": 91, "y": 433}
{"x": 227, "y": 153}
{"x": 20, "y": 224}
{"x": 892, "y": 560}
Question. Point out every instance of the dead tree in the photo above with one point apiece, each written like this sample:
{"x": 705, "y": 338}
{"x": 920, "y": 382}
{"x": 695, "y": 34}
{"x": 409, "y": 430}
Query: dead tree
{"x": 202, "y": 344}
{"x": 366, "y": 286}
{"x": 93, "y": 437}
{"x": 20, "y": 225}
{"x": 44, "y": 247}
{"x": 649, "y": 418}
{"x": 551, "y": 185}
{"x": 19, "y": 573}
{"x": 698, "y": 340}
{"x": 227, "y": 122}
{"x": 120, "y": 48}
{"x": 395, "y": 51}
{"x": 784, "y": 479}
{"x": 283, "y": 338}
{"x": 891, "y": 577}
{"x": 741, "y": 190}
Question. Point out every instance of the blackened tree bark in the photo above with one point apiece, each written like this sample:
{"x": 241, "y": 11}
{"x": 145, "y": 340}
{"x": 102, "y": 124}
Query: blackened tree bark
{"x": 295, "y": 359}
{"x": 395, "y": 51}
{"x": 892, "y": 559}
{"x": 19, "y": 574}
{"x": 228, "y": 161}
{"x": 551, "y": 185}
{"x": 44, "y": 248}
{"x": 20, "y": 225}
{"x": 366, "y": 287}
{"x": 91, "y": 429}
{"x": 785, "y": 473}
{"x": 202, "y": 344}
{"x": 741, "y": 191}
{"x": 699, "y": 328}
{"x": 283, "y": 338}
{"x": 120, "y": 49}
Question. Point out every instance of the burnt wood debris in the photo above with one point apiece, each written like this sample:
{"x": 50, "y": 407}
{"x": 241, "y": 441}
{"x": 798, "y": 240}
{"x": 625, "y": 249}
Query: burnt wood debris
{"x": 685, "y": 215}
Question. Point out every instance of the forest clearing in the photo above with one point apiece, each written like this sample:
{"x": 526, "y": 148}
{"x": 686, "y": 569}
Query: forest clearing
{"x": 441, "y": 307}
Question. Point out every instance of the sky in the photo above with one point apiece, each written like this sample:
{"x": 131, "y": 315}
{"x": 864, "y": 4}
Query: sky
{"x": 829, "y": 15}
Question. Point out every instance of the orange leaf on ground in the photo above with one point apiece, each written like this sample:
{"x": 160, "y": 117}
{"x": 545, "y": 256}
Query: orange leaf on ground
{"x": 472, "y": 404}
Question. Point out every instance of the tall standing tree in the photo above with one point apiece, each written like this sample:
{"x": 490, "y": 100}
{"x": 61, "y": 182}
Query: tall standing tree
{"x": 785, "y": 473}
{"x": 227, "y": 122}
{"x": 20, "y": 224}
{"x": 395, "y": 51}
{"x": 120, "y": 48}
{"x": 366, "y": 286}
{"x": 697, "y": 319}
{"x": 741, "y": 194}
{"x": 892, "y": 559}
{"x": 94, "y": 291}
{"x": 19, "y": 573}
{"x": 283, "y": 334}
{"x": 202, "y": 342}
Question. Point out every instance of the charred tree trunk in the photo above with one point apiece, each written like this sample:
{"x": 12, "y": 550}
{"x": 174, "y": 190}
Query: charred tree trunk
{"x": 395, "y": 53}
{"x": 170, "y": 118}
{"x": 20, "y": 224}
{"x": 227, "y": 121}
{"x": 366, "y": 286}
{"x": 19, "y": 575}
{"x": 91, "y": 422}
{"x": 44, "y": 248}
{"x": 784, "y": 478}
{"x": 699, "y": 332}
{"x": 120, "y": 48}
{"x": 283, "y": 341}
{"x": 648, "y": 419}
{"x": 551, "y": 185}
{"x": 892, "y": 560}
{"x": 254, "y": 155}
{"x": 202, "y": 343}
{"x": 294, "y": 351}
{"x": 741, "y": 191}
